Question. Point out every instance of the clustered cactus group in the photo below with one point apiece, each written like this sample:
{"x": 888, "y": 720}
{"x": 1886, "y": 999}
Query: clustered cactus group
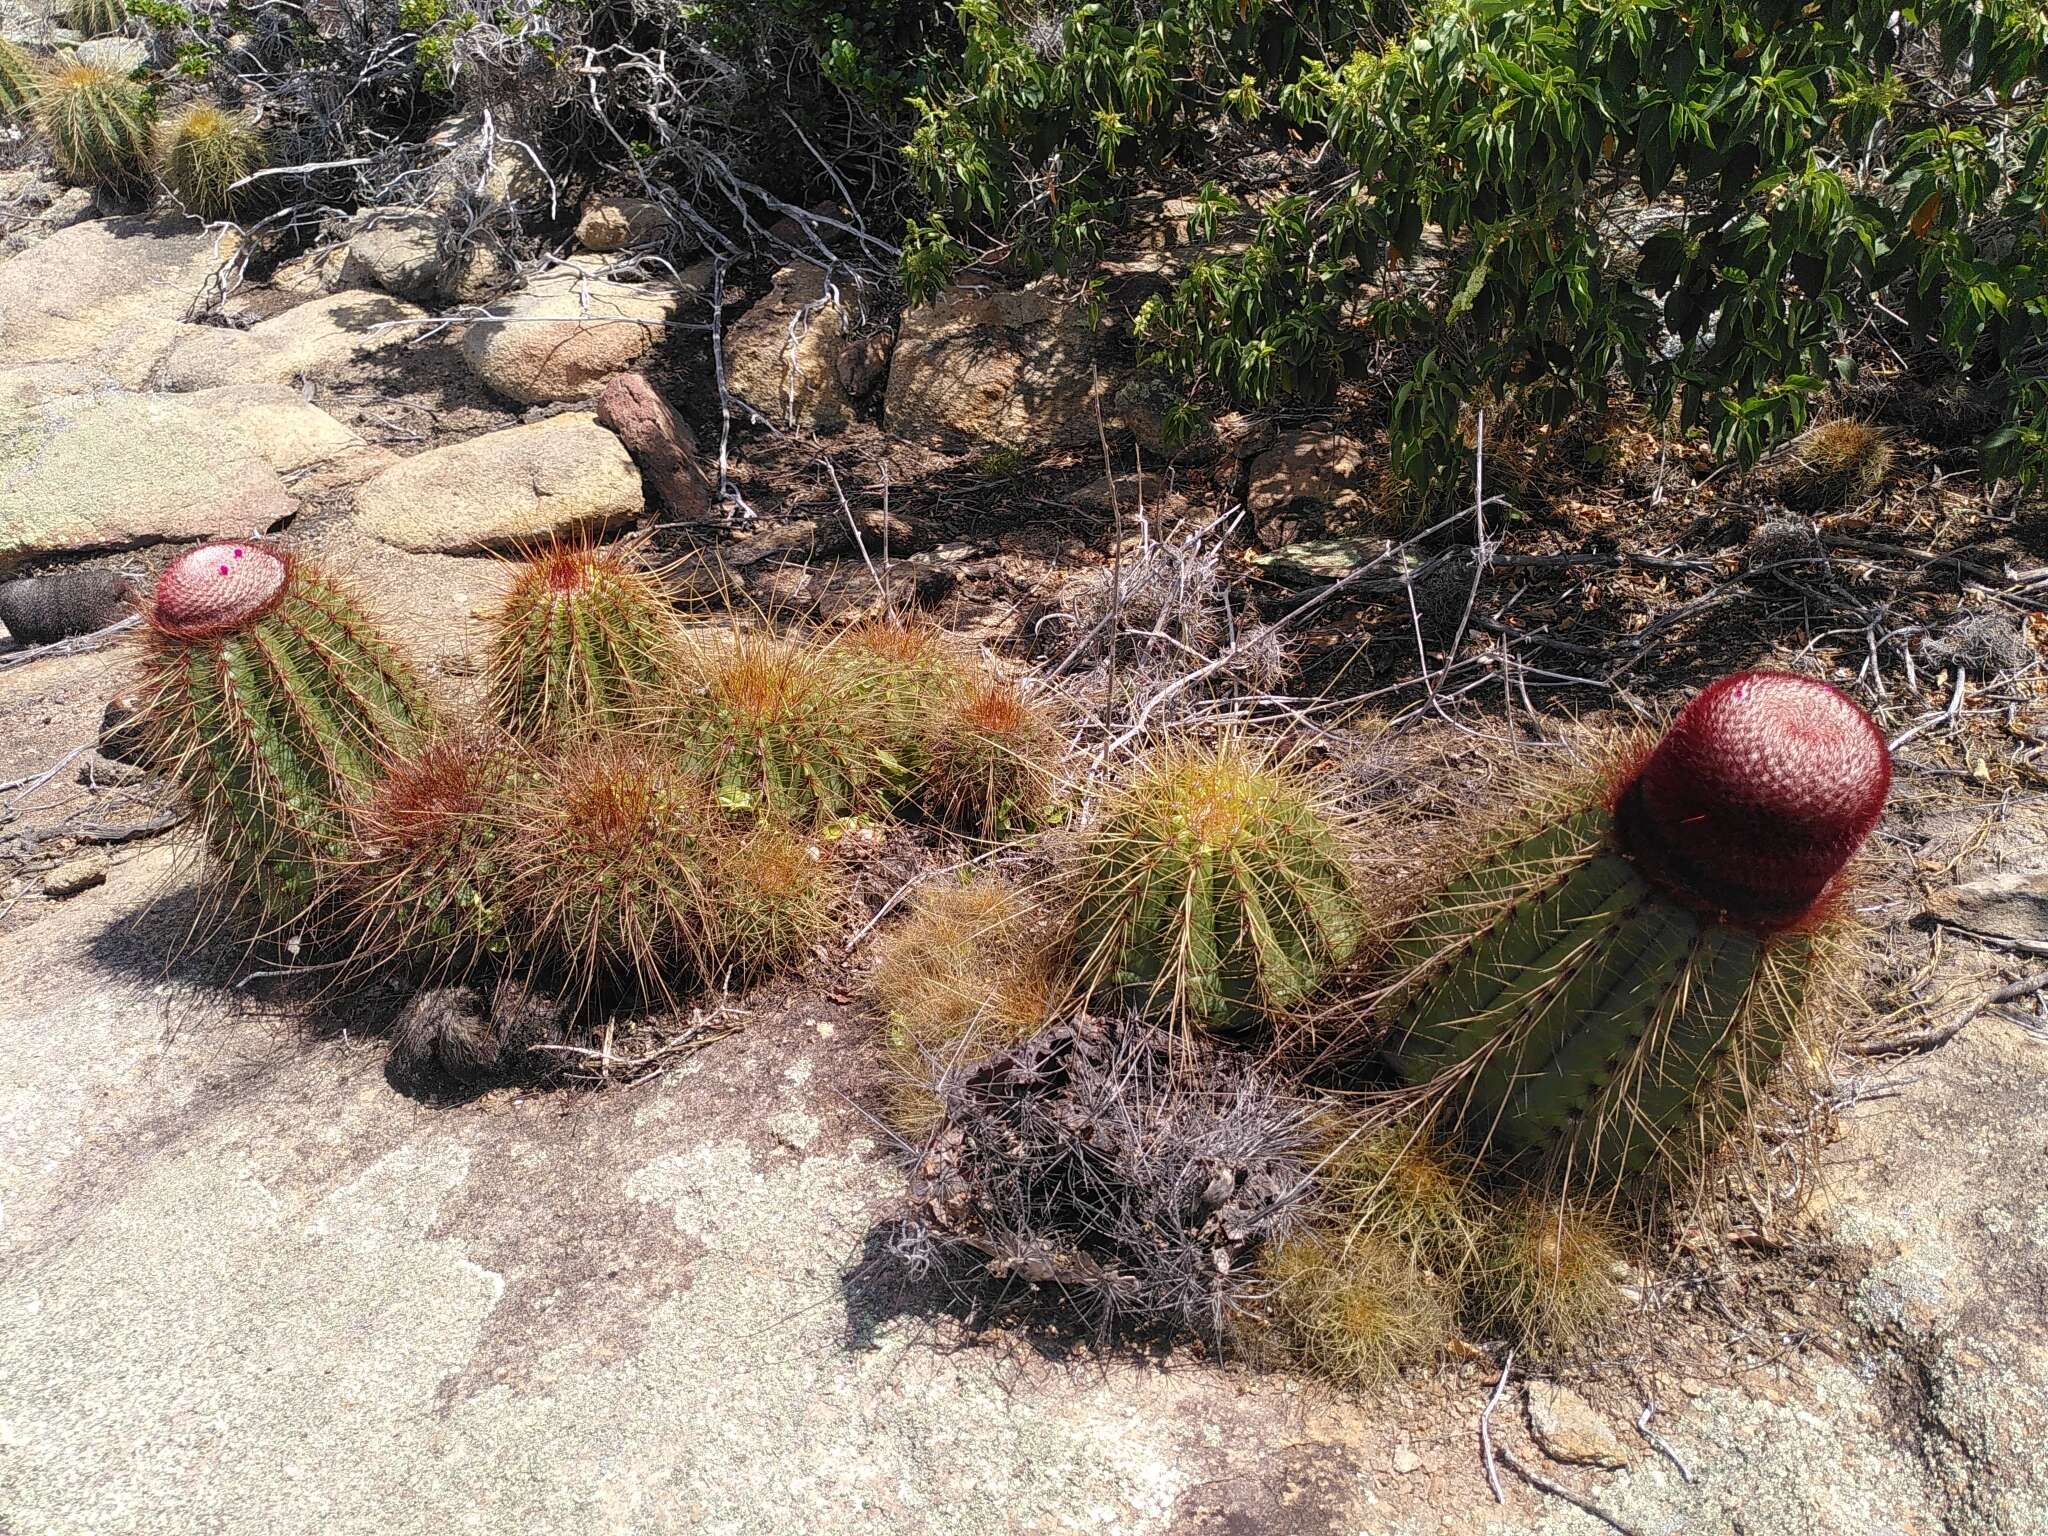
{"x": 99, "y": 115}
{"x": 1579, "y": 1001}
{"x": 1488, "y": 1071}
{"x": 642, "y": 810}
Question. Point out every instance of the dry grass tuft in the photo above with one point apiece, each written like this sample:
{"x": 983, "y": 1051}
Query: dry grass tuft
{"x": 1355, "y": 1308}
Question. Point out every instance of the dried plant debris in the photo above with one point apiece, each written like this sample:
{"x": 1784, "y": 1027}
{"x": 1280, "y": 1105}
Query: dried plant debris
{"x": 1127, "y": 1170}
{"x": 469, "y": 1033}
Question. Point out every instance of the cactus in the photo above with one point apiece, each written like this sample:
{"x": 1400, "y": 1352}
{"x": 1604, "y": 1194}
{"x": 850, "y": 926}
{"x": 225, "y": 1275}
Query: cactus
{"x": 899, "y": 667}
{"x": 1215, "y": 888}
{"x": 1835, "y": 464}
{"x": 273, "y": 701}
{"x": 202, "y": 151}
{"x": 1548, "y": 1273}
{"x": 987, "y": 760}
{"x": 424, "y": 873}
{"x": 1606, "y": 995}
{"x": 779, "y": 727}
{"x": 18, "y": 83}
{"x": 97, "y": 122}
{"x": 583, "y": 635}
{"x": 773, "y": 896}
{"x": 608, "y": 850}
{"x": 1354, "y": 1307}
{"x": 96, "y": 18}
{"x": 1392, "y": 1183}
{"x": 970, "y": 973}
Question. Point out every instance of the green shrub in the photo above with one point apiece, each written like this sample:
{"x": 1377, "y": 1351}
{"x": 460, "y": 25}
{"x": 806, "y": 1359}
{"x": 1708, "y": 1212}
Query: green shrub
{"x": 1533, "y": 199}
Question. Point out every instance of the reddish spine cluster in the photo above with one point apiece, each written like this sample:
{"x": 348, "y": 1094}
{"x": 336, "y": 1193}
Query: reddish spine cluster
{"x": 1757, "y": 797}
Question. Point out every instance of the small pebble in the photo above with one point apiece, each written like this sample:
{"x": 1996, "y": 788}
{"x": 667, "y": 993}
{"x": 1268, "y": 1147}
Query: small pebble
{"x": 75, "y": 875}
{"x": 1406, "y": 1461}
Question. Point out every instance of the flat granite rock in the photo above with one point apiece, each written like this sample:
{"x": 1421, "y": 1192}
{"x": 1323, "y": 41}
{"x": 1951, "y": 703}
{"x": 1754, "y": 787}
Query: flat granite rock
{"x": 87, "y": 473}
{"x": 562, "y": 476}
{"x": 104, "y": 298}
{"x": 313, "y": 341}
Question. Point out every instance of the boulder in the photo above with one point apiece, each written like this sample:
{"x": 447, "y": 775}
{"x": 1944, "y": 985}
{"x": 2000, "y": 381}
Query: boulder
{"x": 561, "y": 338}
{"x": 614, "y": 223}
{"x": 1568, "y": 1428}
{"x": 106, "y": 297}
{"x": 313, "y": 341}
{"x": 566, "y": 475}
{"x": 83, "y": 473}
{"x": 782, "y": 357}
{"x": 982, "y": 367}
{"x": 314, "y": 275}
{"x": 309, "y": 448}
{"x": 397, "y": 250}
{"x": 661, "y": 445}
{"x": 1309, "y": 483}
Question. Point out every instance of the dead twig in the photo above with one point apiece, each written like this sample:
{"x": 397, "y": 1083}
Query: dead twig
{"x": 1663, "y": 1446}
{"x": 1558, "y": 1490}
{"x": 1934, "y": 1036}
{"x": 1486, "y": 1430}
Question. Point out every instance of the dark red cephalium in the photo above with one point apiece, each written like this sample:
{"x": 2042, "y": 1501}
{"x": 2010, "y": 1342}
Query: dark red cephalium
{"x": 1758, "y": 796}
{"x": 217, "y": 588}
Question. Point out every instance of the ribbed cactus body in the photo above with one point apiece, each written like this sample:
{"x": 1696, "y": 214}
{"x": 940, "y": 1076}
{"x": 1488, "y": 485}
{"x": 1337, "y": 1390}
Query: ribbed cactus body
{"x": 17, "y": 79}
{"x": 202, "y": 153}
{"x": 611, "y": 849}
{"x": 1580, "y": 1017}
{"x": 780, "y": 727}
{"x": 425, "y": 873}
{"x": 97, "y": 122}
{"x": 583, "y": 636}
{"x": 274, "y": 701}
{"x": 1214, "y": 889}
{"x": 1609, "y": 993}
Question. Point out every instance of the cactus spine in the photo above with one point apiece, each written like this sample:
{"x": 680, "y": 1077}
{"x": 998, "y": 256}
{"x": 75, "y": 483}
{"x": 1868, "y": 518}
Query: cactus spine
{"x": 202, "y": 151}
{"x": 1214, "y": 888}
{"x": 780, "y": 728}
{"x": 1607, "y": 995}
{"x": 97, "y": 18}
{"x": 17, "y": 80}
{"x": 608, "y": 853}
{"x": 425, "y": 871}
{"x": 97, "y": 122}
{"x": 988, "y": 763}
{"x": 274, "y": 701}
{"x": 583, "y": 636}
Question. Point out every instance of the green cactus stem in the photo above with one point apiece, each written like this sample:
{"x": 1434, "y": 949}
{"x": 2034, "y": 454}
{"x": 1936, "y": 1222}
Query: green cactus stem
{"x": 1607, "y": 996}
{"x": 274, "y": 701}
{"x": 425, "y": 873}
{"x": 203, "y": 151}
{"x": 97, "y": 122}
{"x": 1214, "y": 888}
{"x": 780, "y": 727}
{"x": 18, "y": 80}
{"x": 584, "y": 635}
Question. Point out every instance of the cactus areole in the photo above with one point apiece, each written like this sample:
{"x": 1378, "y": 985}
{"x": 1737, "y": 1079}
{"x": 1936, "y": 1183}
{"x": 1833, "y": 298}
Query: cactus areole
{"x": 217, "y": 589}
{"x": 1757, "y": 797}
